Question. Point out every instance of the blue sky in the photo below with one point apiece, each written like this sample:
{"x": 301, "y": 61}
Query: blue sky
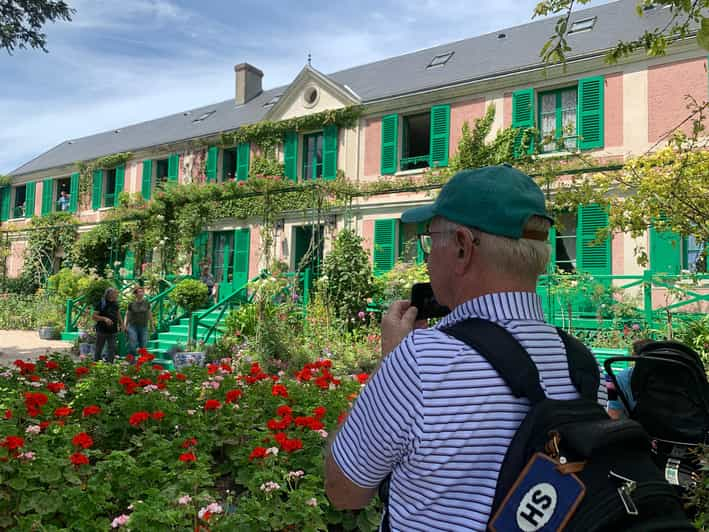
{"x": 114, "y": 66}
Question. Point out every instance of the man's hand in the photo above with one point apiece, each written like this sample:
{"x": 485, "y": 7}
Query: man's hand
{"x": 108, "y": 321}
{"x": 398, "y": 321}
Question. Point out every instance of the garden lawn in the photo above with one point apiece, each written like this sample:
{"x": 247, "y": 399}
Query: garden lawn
{"x": 97, "y": 446}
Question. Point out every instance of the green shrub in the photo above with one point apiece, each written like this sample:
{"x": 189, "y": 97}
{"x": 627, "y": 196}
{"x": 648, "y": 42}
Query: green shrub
{"x": 397, "y": 282}
{"x": 190, "y": 294}
{"x": 695, "y": 333}
{"x": 27, "y": 312}
{"x": 94, "y": 288}
{"x": 24, "y": 285}
{"x": 347, "y": 281}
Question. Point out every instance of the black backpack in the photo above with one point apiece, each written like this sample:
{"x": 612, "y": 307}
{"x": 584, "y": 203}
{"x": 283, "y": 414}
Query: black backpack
{"x": 670, "y": 388}
{"x": 624, "y": 490}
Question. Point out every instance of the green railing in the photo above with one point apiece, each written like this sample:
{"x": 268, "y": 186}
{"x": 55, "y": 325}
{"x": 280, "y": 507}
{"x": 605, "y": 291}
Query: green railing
{"x": 236, "y": 298}
{"x": 591, "y": 302}
{"x": 407, "y": 162}
{"x": 165, "y": 312}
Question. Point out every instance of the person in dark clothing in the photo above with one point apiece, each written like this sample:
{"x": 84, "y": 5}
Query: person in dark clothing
{"x": 109, "y": 322}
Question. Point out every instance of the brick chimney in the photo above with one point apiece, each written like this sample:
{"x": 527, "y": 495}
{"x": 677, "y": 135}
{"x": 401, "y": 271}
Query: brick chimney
{"x": 248, "y": 83}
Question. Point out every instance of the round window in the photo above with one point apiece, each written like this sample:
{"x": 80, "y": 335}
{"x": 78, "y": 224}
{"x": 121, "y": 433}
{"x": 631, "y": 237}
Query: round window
{"x": 310, "y": 96}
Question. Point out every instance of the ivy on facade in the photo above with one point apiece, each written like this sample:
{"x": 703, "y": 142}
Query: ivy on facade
{"x": 87, "y": 168}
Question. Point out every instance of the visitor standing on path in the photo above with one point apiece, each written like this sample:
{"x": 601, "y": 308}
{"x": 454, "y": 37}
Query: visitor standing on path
{"x": 138, "y": 320}
{"x": 108, "y": 320}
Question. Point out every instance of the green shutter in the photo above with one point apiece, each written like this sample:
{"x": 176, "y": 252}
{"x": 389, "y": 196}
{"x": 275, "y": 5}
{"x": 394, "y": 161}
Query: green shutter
{"x": 173, "y": 167}
{"x": 199, "y": 251}
{"x": 147, "y": 183}
{"x": 120, "y": 180}
{"x": 74, "y": 192}
{"x": 665, "y": 251}
{"x": 243, "y": 152}
{"x": 242, "y": 248}
{"x": 591, "y": 257}
{"x": 522, "y": 116}
{"x": 129, "y": 264}
{"x": 290, "y": 155}
{"x": 47, "y": 196}
{"x": 384, "y": 254}
{"x": 440, "y": 134}
{"x": 5, "y": 203}
{"x": 329, "y": 158}
{"x": 590, "y": 113}
{"x": 212, "y": 157}
{"x": 390, "y": 144}
{"x": 29, "y": 199}
{"x": 97, "y": 190}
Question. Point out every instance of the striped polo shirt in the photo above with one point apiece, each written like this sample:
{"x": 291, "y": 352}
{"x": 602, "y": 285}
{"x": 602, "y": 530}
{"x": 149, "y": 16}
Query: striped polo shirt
{"x": 439, "y": 417}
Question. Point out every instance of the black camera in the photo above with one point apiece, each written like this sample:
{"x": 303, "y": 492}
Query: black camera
{"x": 423, "y": 299}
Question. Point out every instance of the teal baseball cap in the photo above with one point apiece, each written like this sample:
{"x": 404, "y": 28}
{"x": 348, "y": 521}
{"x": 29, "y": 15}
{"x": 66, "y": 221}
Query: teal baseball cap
{"x": 498, "y": 200}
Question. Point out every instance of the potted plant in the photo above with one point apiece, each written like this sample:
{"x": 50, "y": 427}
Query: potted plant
{"x": 50, "y": 328}
{"x": 187, "y": 356}
{"x": 87, "y": 343}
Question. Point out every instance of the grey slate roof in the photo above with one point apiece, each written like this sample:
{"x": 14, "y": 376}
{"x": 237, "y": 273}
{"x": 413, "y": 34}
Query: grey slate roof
{"x": 475, "y": 58}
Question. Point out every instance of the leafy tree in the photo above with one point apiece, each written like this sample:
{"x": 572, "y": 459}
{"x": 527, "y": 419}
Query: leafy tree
{"x": 685, "y": 15}
{"x": 21, "y": 22}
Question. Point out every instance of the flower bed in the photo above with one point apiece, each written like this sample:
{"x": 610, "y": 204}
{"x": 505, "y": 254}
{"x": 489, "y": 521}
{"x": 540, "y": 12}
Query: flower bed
{"x": 96, "y": 446}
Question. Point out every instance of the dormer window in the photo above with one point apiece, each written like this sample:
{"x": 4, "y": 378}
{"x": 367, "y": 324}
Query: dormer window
{"x": 440, "y": 60}
{"x": 582, "y": 25}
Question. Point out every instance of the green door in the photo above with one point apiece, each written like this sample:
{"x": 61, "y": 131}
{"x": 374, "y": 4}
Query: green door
{"x": 223, "y": 262}
{"x": 242, "y": 249}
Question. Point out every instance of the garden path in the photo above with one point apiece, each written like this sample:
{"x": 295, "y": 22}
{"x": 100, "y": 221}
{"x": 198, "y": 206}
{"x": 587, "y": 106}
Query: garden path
{"x": 26, "y": 345}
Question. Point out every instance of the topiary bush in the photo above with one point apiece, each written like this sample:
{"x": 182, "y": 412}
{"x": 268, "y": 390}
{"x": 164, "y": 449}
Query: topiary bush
{"x": 190, "y": 294}
{"x": 347, "y": 281}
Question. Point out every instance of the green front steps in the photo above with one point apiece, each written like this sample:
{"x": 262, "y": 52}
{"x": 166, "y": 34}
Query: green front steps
{"x": 178, "y": 333}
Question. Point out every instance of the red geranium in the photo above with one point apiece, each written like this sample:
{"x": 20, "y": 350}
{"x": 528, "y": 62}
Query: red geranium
{"x": 258, "y": 452}
{"x": 319, "y": 412}
{"x": 232, "y": 396}
{"x": 44, "y": 424}
{"x": 341, "y": 418}
{"x": 91, "y": 410}
{"x": 157, "y": 367}
{"x": 158, "y": 415}
{"x": 180, "y": 376}
{"x": 34, "y": 401}
{"x": 362, "y": 378}
{"x": 79, "y": 459}
{"x": 51, "y": 364}
{"x": 63, "y": 411}
{"x": 212, "y": 404}
{"x": 55, "y": 387}
{"x": 292, "y": 445}
{"x": 212, "y": 369}
{"x": 8, "y": 414}
{"x": 279, "y": 389}
{"x": 274, "y": 424}
{"x": 82, "y": 440}
{"x": 12, "y": 442}
{"x": 284, "y": 410}
{"x": 81, "y": 370}
{"x": 33, "y": 378}
{"x": 144, "y": 382}
{"x": 164, "y": 376}
{"x": 189, "y": 442}
{"x": 138, "y": 417}
{"x": 26, "y": 368}
{"x": 188, "y": 457}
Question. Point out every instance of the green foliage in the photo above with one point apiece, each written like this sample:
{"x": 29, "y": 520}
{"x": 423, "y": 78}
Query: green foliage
{"x": 66, "y": 284}
{"x": 93, "y": 288}
{"x": 684, "y": 16}
{"x": 266, "y": 166}
{"x": 86, "y": 171}
{"x": 396, "y": 283}
{"x": 474, "y": 151}
{"x": 5, "y": 180}
{"x": 190, "y": 294}
{"x": 698, "y": 499}
{"x": 48, "y": 235}
{"x": 695, "y": 333}
{"x": 27, "y": 312}
{"x": 100, "y": 246}
{"x": 23, "y": 285}
{"x": 21, "y": 23}
{"x": 347, "y": 282}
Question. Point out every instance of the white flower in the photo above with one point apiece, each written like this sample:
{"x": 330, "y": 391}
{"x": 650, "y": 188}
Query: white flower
{"x": 272, "y": 450}
{"x": 323, "y": 433}
{"x": 270, "y": 486}
{"x": 295, "y": 474}
{"x": 119, "y": 521}
{"x": 184, "y": 500}
{"x": 29, "y": 455}
{"x": 312, "y": 501}
{"x": 33, "y": 429}
{"x": 191, "y": 412}
{"x": 215, "y": 508}
{"x": 150, "y": 388}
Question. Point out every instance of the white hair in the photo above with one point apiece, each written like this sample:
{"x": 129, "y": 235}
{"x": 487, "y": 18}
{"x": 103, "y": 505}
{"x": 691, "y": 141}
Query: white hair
{"x": 524, "y": 257}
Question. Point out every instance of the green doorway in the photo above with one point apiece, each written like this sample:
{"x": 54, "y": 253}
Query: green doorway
{"x": 308, "y": 248}
{"x": 230, "y": 260}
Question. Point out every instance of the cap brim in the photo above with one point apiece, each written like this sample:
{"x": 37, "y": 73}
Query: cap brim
{"x": 418, "y": 214}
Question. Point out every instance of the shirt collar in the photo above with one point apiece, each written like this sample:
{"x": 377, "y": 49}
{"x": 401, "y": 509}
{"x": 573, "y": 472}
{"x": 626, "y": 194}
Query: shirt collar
{"x": 500, "y": 306}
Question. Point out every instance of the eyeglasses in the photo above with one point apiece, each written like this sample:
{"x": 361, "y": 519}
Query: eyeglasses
{"x": 426, "y": 242}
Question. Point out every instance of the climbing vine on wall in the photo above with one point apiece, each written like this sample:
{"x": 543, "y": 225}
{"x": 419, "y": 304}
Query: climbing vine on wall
{"x": 49, "y": 245}
{"x": 86, "y": 171}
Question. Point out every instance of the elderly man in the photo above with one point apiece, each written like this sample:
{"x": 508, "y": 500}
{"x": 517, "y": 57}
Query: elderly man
{"x": 436, "y": 415}
{"x": 107, "y": 316}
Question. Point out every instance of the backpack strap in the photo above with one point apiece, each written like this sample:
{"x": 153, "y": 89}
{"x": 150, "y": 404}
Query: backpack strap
{"x": 504, "y": 353}
{"x": 583, "y": 368}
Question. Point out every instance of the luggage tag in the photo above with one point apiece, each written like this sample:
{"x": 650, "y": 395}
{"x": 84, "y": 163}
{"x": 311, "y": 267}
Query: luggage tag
{"x": 542, "y": 499}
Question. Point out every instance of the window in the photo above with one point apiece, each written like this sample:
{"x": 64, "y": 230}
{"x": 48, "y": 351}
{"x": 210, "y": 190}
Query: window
{"x": 62, "y": 196}
{"x": 312, "y": 155}
{"x": 229, "y": 164}
{"x": 440, "y": 60}
{"x": 416, "y": 143}
{"x": 557, "y": 119}
{"x": 582, "y": 25}
{"x": 565, "y": 245}
{"x": 203, "y": 117}
{"x": 161, "y": 170}
{"x": 18, "y": 205}
{"x": 694, "y": 258}
{"x": 109, "y": 188}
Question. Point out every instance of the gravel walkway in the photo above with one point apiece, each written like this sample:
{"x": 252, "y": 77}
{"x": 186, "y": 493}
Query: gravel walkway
{"x": 26, "y": 345}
